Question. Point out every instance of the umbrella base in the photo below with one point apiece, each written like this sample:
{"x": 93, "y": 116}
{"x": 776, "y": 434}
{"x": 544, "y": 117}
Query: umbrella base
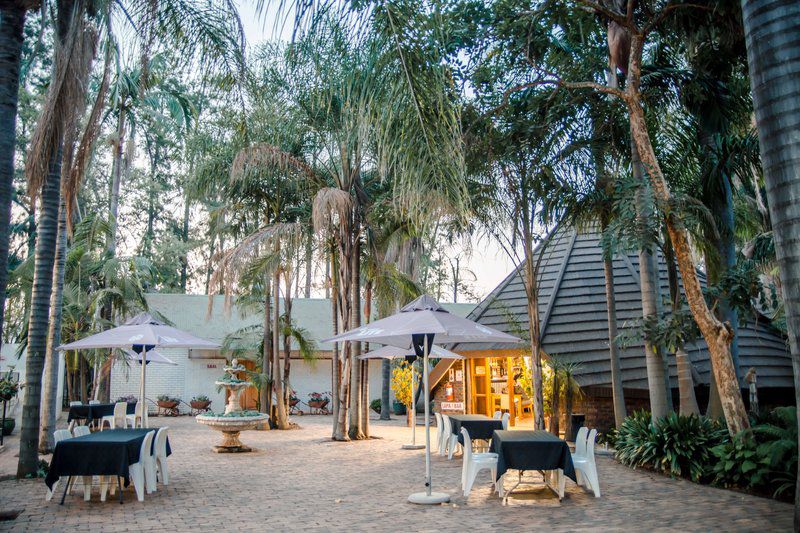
{"x": 413, "y": 446}
{"x": 434, "y": 498}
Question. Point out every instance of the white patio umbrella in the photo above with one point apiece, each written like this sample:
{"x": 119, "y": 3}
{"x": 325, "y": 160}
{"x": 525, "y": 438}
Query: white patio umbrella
{"x": 416, "y": 326}
{"x": 393, "y": 352}
{"x": 140, "y": 335}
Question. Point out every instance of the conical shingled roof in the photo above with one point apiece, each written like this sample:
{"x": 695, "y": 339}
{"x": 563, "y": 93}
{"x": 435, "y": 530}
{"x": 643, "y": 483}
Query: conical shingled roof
{"x": 574, "y": 320}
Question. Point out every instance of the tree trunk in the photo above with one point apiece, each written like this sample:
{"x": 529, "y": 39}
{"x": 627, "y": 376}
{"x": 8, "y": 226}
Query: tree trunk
{"x": 50, "y": 399}
{"x": 344, "y": 296}
{"x": 532, "y": 295}
{"x": 355, "y": 431}
{"x": 185, "y": 239}
{"x": 116, "y": 180}
{"x": 287, "y": 343}
{"x": 648, "y": 277}
{"x": 386, "y": 384}
{"x": 555, "y": 412}
{"x": 82, "y": 377}
{"x": 365, "y": 408}
{"x": 47, "y": 235}
{"x": 309, "y": 264}
{"x": 715, "y": 333}
{"x": 687, "y": 400}
{"x": 569, "y": 400}
{"x": 773, "y": 51}
{"x": 620, "y": 411}
{"x": 336, "y": 371}
{"x": 12, "y": 22}
{"x": 282, "y": 421}
{"x": 265, "y": 394}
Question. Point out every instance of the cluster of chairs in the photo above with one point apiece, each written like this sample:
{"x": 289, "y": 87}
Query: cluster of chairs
{"x": 120, "y": 419}
{"x": 474, "y": 462}
{"x": 151, "y": 467}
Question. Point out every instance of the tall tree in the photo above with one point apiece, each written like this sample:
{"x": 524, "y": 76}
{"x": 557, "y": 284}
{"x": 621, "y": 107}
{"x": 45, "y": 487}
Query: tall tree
{"x": 773, "y": 52}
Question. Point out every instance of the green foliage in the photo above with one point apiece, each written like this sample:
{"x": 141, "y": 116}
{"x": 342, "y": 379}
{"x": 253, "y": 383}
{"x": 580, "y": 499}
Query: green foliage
{"x": 675, "y": 444}
{"x": 763, "y": 459}
{"x": 375, "y": 405}
{"x": 167, "y": 398}
{"x": 200, "y": 398}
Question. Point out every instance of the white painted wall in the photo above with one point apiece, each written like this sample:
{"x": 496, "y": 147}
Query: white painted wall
{"x": 192, "y": 377}
{"x": 9, "y": 360}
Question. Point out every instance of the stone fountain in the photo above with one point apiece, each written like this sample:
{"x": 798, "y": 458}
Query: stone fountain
{"x": 234, "y": 419}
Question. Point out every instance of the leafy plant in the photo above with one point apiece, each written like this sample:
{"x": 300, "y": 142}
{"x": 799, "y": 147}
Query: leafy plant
{"x": 201, "y": 398}
{"x": 675, "y": 444}
{"x": 128, "y": 399}
{"x": 401, "y": 382}
{"x": 317, "y": 397}
{"x": 167, "y": 398}
{"x": 8, "y": 388}
{"x": 764, "y": 458}
{"x": 375, "y": 405}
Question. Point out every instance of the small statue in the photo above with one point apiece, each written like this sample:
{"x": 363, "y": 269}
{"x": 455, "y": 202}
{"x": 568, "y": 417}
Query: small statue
{"x": 751, "y": 378}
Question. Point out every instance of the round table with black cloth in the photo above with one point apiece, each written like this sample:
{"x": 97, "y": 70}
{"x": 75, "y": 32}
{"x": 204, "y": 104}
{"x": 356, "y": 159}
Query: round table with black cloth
{"x": 103, "y": 453}
{"x": 95, "y": 411}
{"x": 531, "y": 450}
{"x": 478, "y": 426}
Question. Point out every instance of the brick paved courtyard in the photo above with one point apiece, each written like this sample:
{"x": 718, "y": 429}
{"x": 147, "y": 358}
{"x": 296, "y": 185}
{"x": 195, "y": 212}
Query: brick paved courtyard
{"x": 301, "y": 480}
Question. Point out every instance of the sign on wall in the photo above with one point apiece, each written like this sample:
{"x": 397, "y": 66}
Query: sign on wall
{"x": 459, "y": 375}
{"x": 452, "y": 406}
{"x": 480, "y": 370}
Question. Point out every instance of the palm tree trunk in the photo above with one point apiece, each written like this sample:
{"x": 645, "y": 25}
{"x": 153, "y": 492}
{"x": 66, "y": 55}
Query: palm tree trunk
{"x": 47, "y": 235}
{"x": 287, "y": 343}
{"x": 265, "y": 399}
{"x": 715, "y": 333}
{"x": 12, "y": 23}
{"x": 116, "y": 180}
{"x": 309, "y": 263}
{"x": 532, "y": 294}
{"x": 50, "y": 399}
{"x": 355, "y": 431}
{"x": 386, "y": 384}
{"x": 282, "y": 421}
{"x": 773, "y": 51}
{"x": 555, "y": 412}
{"x": 648, "y": 277}
{"x": 336, "y": 371}
{"x": 365, "y": 409}
{"x": 618, "y": 394}
{"x": 82, "y": 378}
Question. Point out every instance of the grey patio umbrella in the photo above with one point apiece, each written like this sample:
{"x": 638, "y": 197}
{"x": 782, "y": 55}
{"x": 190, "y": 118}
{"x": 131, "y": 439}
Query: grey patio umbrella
{"x": 415, "y": 327}
{"x": 393, "y": 352}
{"x": 140, "y": 335}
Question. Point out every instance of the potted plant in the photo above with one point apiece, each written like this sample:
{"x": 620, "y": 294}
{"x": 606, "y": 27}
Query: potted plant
{"x": 8, "y": 389}
{"x": 128, "y": 399}
{"x": 401, "y": 385}
{"x": 200, "y": 402}
{"x": 293, "y": 399}
{"x": 317, "y": 400}
{"x": 167, "y": 402}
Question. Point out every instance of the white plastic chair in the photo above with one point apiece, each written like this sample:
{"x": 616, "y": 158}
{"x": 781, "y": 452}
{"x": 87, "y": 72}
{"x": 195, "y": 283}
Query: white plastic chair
{"x": 160, "y": 457}
{"x": 474, "y": 463}
{"x": 61, "y": 434}
{"x": 80, "y": 431}
{"x": 439, "y": 432}
{"x": 139, "y": 417}
{"x": 584, "y": 463}
{"x": 580, "y": 441}
{"x": 75, "y": 403}
{"x": 445, "y": 436}
{"x": 505, "y": 419}
{"x": 94, "y": 402}
{"x": 142, "y": 470}
{"x": 452, "y": 439}
{"x": 497, "y": 415}
{"x": 118, "y": 419}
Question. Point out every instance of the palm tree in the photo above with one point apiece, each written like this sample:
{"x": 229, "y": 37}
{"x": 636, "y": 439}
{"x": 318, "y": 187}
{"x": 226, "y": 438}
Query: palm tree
{"x": 771, "y": 29}
{"x": 12, "y": 23}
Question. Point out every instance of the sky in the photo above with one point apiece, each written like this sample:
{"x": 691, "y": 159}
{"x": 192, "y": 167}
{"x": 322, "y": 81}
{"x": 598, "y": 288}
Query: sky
{"x": 485, "y": 259}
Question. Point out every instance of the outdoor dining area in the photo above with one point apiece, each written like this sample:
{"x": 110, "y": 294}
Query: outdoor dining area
{"x": 113, "y": 441}
{"x": 486, "y": 443}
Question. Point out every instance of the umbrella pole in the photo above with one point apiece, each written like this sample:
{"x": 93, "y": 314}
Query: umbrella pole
{"x": 428, "y": 497}
{"x": 143, "y": 361}
{"x": 413, "y": 445}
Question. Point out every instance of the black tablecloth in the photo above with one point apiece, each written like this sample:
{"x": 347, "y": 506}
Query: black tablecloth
{"x": 96, "y": 411}
{"x": 531, "y": 450}
{"x": 104, "y": 453}
{"x": 478, "y": 426}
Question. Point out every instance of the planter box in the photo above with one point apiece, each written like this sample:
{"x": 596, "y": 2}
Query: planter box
{"x": 398, "y": 408}
{"x": 168, "y": 405}
{"x": 317, "y": 404}
{"x": 198, "y": 405}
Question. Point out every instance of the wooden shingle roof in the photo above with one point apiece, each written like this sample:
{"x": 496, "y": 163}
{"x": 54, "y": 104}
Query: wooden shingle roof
{"x": 574, "y": 322}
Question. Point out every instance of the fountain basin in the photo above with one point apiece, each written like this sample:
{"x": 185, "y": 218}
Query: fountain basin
{"x": 230, "y": 426}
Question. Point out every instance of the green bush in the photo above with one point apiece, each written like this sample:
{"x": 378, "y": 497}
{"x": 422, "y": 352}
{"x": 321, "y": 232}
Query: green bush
{"x": 762, "y": 459}
{"x": 375, "y": 405}
{"x": 675, "y": 444}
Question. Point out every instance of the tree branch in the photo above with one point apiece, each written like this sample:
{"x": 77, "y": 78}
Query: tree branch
{"x": 619, "y": 18}
{"x": 659, "y": 18}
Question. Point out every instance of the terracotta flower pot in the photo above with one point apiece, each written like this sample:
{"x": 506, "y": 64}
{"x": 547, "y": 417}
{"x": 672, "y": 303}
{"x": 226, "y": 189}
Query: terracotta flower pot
{"x": 167, "y": 405}
{"x": 196, "y": 404}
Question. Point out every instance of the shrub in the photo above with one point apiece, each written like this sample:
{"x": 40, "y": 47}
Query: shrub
{"x": 762, "y": 459}
{"x": 128, "y": 399}
{"x": 167, "y": 398}
{"x": 675, "y": 444}
{"x": 200, "y": 398}
{"x": 375, "y": 405}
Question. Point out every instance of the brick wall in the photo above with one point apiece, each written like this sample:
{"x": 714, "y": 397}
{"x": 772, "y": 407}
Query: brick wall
{"x": 598, "y": 406}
